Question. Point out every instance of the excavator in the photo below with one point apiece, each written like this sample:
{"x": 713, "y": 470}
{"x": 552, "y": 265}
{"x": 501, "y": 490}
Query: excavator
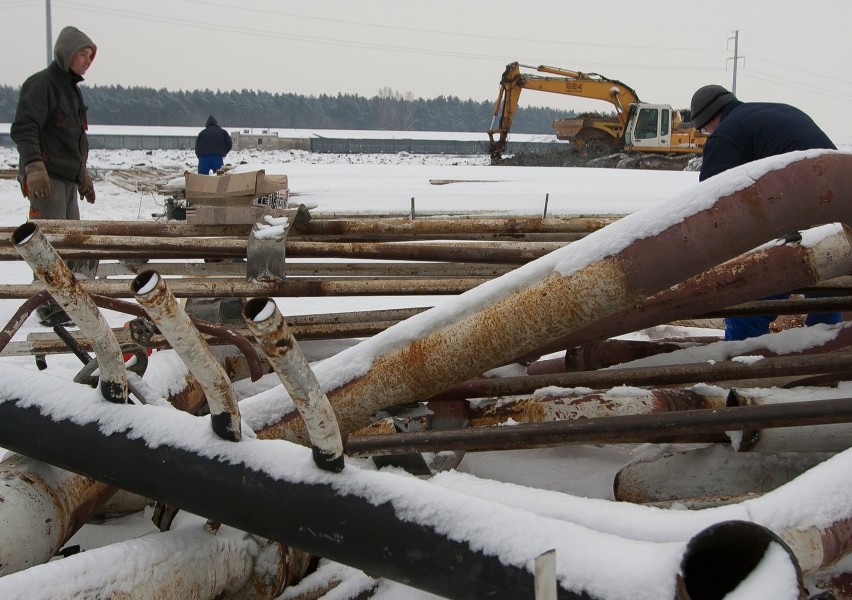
{"x": 637, "y": 127}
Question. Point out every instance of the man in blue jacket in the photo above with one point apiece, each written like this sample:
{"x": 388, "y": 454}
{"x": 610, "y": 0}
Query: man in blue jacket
{"x": 741, "y": 132}
{"x": 211, "y": 146}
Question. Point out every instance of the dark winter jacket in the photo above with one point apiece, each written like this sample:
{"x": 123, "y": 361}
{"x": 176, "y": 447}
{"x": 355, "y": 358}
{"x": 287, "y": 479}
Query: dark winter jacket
{"x": 212, "y": 140}
{"x": 50, "y": 120}
{"x": 753, "y": 130}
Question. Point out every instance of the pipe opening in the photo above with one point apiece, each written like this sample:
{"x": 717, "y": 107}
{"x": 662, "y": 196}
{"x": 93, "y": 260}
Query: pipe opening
{"x": 258, "y": 309}
{"x": 722, "y": 556}
{"x": 144, "y": 282}
{"x": 23, "y": 233}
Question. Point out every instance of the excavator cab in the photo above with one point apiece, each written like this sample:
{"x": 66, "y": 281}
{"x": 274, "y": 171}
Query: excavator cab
{"x": 648, "y": 126}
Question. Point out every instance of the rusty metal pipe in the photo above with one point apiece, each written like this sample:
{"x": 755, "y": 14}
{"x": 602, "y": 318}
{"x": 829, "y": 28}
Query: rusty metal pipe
{"x": 835, "y": 362}
{"x": 42, "y": 507}
{"x": 671, "y": 427}
{"x": 205, "y": 288}
{"x": 570, "y": 288}
{"x": 820, "y": 547}
{"x": 20, "y": 316}
{"x": 295, "y": 268}
{"x": 335, "y": 226}
{"x": 710, "y": 476}
{"x": 275, "y": 338}
{"x": 756, "y": 274}
{"x": 151, "y": 292}
{"x": 115, "y": 247}
{"x": 784, "y": 307}
{"x": 66, "y": 290}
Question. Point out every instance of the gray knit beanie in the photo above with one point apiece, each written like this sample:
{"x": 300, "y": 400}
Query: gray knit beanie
{"x": 707, "y": 102}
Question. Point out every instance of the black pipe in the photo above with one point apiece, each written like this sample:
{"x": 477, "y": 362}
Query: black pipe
{"x": 311, "y": 516}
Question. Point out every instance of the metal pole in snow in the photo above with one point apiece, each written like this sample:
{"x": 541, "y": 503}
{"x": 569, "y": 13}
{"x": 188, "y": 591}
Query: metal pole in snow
{"x": 546, "y": 198}
{"x": 412, "y": 207}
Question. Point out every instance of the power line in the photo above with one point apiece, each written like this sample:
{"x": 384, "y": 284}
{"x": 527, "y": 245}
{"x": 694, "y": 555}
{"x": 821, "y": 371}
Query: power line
{"x": 195, "y": 24}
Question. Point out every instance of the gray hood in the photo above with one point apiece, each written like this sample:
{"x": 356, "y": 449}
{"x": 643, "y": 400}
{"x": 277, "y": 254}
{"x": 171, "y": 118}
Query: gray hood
{"x": 69, "y": 41}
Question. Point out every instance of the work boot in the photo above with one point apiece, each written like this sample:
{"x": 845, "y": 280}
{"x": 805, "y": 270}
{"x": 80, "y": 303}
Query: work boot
{"x": 51, "y": 314}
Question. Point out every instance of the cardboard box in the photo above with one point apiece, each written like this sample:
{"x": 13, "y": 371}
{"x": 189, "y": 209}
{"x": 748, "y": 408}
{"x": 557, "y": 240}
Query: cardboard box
{"x": 240, "y": 189}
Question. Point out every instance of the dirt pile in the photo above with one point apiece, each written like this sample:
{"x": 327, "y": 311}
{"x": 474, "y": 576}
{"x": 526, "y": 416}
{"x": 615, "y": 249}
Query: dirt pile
{"x": 605, "y": 158}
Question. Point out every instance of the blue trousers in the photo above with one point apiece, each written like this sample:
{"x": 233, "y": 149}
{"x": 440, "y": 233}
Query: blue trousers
{"x": 209, "y": 162}
{"x": 741, "y": 328}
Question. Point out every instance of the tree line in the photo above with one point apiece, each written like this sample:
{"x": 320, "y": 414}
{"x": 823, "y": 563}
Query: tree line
{"x": 387, "y": 110}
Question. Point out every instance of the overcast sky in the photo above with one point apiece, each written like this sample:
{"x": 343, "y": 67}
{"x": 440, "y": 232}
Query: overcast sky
{"x": 792, "y": 51}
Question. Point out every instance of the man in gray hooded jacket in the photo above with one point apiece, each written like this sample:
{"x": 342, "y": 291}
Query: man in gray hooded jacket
{"x": 50, "y": 133}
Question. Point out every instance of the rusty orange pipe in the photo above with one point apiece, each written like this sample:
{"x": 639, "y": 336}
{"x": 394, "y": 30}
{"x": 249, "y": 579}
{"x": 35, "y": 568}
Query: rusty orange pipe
{"x": 607, "y": 271}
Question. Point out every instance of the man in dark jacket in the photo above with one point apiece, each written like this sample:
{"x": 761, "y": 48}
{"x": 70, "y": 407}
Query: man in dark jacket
{"x": 741, "y": 132}
{"x": 211, "y": 146}
{"x": 50, "y": 133}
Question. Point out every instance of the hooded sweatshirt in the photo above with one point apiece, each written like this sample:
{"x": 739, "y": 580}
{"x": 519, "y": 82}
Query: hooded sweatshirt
{"x": 50, "y": 120}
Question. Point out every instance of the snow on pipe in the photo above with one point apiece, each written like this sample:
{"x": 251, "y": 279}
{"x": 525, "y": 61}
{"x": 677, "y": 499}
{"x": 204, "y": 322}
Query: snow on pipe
{"x": 41, "y": 507}
{"x": 189, "y": 563}
{"x": 373, "y": 521}
{"x": 607, "y": 271}
{"x": 65, "y": 289}
{"x": 270, "y": 329}
{"x": 757, "y": 274}
{"x": 811, "y": 513}
{"x": 167, "y": 314}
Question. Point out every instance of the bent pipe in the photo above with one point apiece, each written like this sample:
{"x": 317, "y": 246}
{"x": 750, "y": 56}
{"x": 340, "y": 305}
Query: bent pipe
{"x": 607, "y": 271}
{"x": 757, "y": 274}
{"x": 344, "y": 523}
{"x": 267, "y": 324}
{"x": 151, "y": 292}
{"x": 21, "y": 315}
{"x": 63, "y": 286}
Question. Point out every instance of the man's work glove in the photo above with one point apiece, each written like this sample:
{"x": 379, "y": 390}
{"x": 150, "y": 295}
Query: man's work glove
{"x": 87, "y": 188}
{"x": 38, "y": 181}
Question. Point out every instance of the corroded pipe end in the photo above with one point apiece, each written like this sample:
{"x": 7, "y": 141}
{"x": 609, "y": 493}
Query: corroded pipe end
{"x": 226, "y": 426}
{"x": 144, "y": 283}
{"x": 722, "y": 556}
{"x": 23, "y": 233}
{"x": 114, "y": 391}
{"x": 258, "y": 310}
{"x": 328, "y": 461}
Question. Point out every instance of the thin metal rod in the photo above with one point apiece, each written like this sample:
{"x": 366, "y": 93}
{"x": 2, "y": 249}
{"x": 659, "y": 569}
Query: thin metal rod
{"x": 204, "y": 288}
{"x": 779, "y": 366}
{"x": 678, "y": 426}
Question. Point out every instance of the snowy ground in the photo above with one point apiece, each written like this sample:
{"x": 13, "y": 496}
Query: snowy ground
{"x": 383, "y": 183}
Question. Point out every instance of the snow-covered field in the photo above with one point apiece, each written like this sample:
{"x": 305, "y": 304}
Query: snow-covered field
{"x": 436, "y": 184}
